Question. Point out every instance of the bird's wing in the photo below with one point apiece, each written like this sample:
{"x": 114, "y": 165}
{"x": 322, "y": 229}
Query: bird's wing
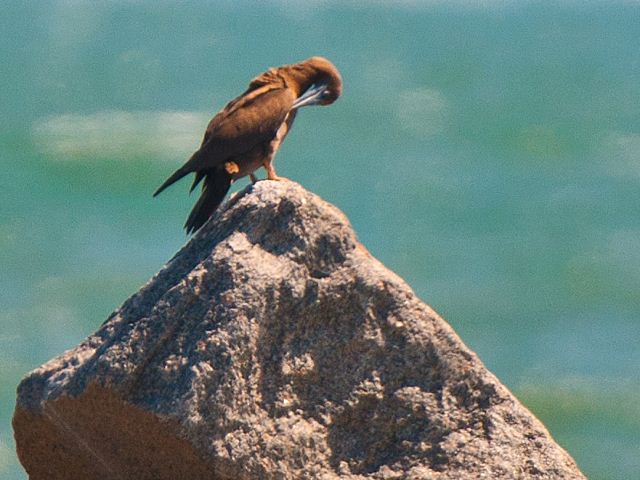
{"x": 251, "y": 119}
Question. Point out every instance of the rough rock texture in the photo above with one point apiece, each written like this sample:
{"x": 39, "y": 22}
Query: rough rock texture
{"x": 273, "y": 346}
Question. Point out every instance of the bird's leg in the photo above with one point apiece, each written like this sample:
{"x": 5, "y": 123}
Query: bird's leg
{"x": 253, "y": 178}
{"x": 271, "y": 172}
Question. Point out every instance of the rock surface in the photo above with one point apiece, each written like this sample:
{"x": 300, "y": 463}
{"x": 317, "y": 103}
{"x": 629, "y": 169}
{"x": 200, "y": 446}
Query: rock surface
{"x": 273, "y": 346}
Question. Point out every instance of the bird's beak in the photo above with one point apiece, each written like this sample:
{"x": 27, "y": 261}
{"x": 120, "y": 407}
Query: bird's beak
{"x": 313, "y": 96}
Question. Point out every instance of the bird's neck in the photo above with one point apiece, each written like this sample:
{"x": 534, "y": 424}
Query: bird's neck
{"x": 297, "y": 77}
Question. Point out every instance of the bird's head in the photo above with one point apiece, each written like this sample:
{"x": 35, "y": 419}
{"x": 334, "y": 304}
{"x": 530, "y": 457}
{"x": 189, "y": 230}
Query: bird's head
{"x": 319, "y": 80}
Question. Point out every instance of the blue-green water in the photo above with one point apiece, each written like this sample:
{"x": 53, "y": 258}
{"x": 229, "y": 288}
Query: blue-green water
{"x": 488, "y": 152}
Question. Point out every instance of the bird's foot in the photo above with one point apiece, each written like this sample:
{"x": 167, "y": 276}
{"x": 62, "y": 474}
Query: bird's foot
{"x": 271, "y": 173}
{"x": 276, "y": 178}
{"x": 231, "y": 167}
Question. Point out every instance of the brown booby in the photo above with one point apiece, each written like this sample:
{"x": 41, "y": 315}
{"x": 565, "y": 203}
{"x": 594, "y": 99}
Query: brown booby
{"x": 246, "y": 134}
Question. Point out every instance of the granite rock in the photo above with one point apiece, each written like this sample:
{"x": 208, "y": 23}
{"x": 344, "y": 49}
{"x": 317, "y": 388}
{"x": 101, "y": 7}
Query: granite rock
{"x": 274, "y": 346}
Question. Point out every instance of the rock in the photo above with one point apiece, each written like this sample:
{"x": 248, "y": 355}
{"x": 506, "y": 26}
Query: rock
{"x": 274, "y": 346}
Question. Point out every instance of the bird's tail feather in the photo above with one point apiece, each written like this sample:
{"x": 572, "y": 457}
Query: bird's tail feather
{"x": 178, "y": 174}
{"x": 216, "y": 185}
{"x": 196, "y": 180}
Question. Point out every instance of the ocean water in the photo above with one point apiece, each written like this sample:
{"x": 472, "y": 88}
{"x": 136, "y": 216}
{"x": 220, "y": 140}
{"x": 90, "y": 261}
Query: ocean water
{"x": 488, "y": 152}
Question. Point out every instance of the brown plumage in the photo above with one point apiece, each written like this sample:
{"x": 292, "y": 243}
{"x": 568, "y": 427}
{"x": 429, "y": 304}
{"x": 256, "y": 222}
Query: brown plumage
{"x": 246, "y": 134}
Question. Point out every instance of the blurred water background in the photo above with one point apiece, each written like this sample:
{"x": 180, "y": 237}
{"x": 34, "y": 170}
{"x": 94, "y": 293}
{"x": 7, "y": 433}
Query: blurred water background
{"x": 488, "y": 152}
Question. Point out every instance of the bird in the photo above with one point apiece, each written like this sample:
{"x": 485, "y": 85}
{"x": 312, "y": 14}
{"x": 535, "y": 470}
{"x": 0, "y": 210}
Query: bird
{"x": 246, "y": 134}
